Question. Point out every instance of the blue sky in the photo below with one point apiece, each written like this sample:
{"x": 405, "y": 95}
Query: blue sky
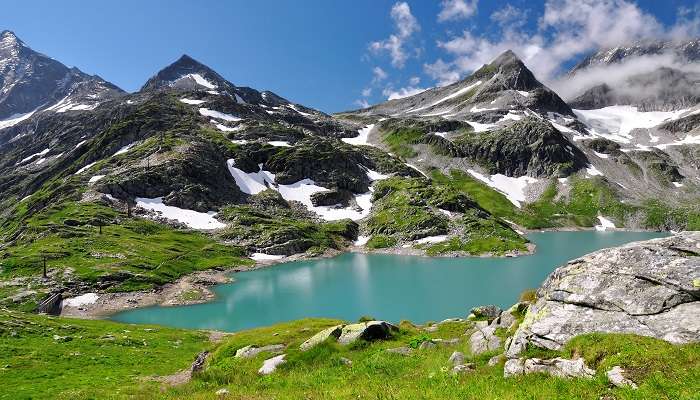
{"x": 327, "y": 54}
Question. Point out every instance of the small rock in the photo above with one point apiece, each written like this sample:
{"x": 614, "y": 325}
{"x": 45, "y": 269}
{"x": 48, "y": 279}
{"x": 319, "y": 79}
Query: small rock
{"x": 345, "y": 361}
{"x": 320, "y": 337}
{"x": 462, "y": 368}
{"x": 484, "y": 339}
{"x": 198, "y": 364}
{"x": 616, "y": 377}
{"x": 222, "y": 392}
{"x": 489, "y": 312}
{"x": 457, "y": 358}
{"x": 431, "y": 328}
{"x": 446, "y": 342}
{"x": 252, "y": 350}
{"x": 495, "y": 360}
{"x": 270, "y": 365}
{"x": 404, "y": 351}
{"x": 513, "y": 367}
{"x": 428, "y": 344}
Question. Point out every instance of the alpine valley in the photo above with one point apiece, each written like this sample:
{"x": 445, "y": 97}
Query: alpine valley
{"x": 151, "y": 197}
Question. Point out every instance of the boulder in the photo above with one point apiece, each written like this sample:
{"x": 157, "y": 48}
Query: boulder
{"x": 462, "y": 368}
{"x": 489, "y": 312}
{"x": 484, "y": 339}
{"x": 332, "y": 332}
{"x": 457, "y": 358}
{"x": 404, "y": 351}
{"x": 270, "y": 365}
{"x": 495, "y": 360}
{"x": 647, "y": 288}
{"x": 428, "y": 344}
{"x": 370, "y": 330}
{"x": 346, "y": 361}
{"x": 252, "y": 350}
{"x": 616, "y": 377}
{"x": 559, "y": 367}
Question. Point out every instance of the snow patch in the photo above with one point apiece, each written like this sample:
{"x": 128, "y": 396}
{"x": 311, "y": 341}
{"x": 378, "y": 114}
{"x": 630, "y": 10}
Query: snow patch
{"x": 605, "y": 224}
{"x": 125, "y": 149}
{"x": 39, "y": 154}
{"x": 219, "y": 115}
{"x": 362, "y": 138}
{"x": 593, "y": 171}
{"x": 479, "y": 127}
{"x": 512, "y": 188}
{"x": 265, "y": 257}
{"x": 448, "y": 97}
{"x": 677, "y": 184}
{"x": 362, "y": 240}
{"x": 82, "y": 300}
{"x": 191, "y": 101}
{"x": 253, "y": 182}
{"x": 199, "y": 79}
{"x": 15, "y": 119}
{"x": 191, "y": 218}
{"x": 85, "y": 168}
{"x": 617, "y": 122}
{"x": 432, "y": 239}
{"x": 279, "y": 143}
{"x": 96, "y": 178}
{"x": 600, "y": 155}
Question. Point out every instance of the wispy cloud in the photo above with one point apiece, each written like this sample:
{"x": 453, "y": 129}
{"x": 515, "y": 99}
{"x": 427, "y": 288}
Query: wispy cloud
{"x": 457, "y": 9}
{"x": 405, "y": 26}
{"x": 400, "y": 93}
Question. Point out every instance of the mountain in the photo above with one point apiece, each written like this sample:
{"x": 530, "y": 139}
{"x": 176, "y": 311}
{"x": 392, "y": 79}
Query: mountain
{"x": 504, "y": 85}
{"x": 651, "y": 75}
{"x": 31, "y": 81}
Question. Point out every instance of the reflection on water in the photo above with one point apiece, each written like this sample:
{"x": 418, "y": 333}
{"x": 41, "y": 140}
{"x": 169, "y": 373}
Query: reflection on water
{"x": 384, "y": 286}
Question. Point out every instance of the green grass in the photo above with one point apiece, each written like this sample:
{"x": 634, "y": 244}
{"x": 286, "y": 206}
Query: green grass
{"x": 57, "y": 358}
{"x": 149, "y": 253}
{"x": 101, "y": 359}
{"x": 400, "y": 141}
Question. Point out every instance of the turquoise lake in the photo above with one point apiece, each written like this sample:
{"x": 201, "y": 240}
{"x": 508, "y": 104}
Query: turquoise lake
{"x": 388, "y": 287}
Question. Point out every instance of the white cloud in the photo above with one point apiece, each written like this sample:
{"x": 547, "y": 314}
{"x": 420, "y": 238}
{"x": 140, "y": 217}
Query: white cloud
{"x": 567, "y": 29}
{"x": 457, "y": 9}
{"x": 414, "y": 80}
{"x": 392, "y": 94}
{"x": 362, "y": 103}
{"x": 378, "y": 75}
{"x": 406, "y": 25}
{"x": 366, "y": 92}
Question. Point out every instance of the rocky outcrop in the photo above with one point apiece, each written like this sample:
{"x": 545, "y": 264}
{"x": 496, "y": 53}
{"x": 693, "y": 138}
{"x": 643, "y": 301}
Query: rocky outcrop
{"x": 270, "y": 365}
{"x": 320, "y": 337}
{"x": 484, "y": 338}
{"x": 616, "y": 376}
{"x": 559, "y": 367}
{"x": 346, "y": 334}
{"x": 647, "y": 288}
{"x": 252, "y": 351}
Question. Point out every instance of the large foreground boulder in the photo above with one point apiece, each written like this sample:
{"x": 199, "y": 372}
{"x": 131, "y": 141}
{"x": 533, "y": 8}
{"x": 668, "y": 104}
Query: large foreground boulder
{"x": 649, "y": 288}
{"x": 346, "y": 334}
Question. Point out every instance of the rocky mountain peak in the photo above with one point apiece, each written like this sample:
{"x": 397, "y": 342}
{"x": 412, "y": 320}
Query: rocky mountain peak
{"x": 190, "y": 74}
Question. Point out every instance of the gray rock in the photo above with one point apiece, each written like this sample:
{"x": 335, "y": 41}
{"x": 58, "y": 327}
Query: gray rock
{"x": 647, "y": 288}
{"x": 222, "y": 392}
{"x": 332, "y": 332}
{"x": 404, "y": 351}
{"x": 198, "y": 364}
{"x": 462, "y": 368}
{"x": 457, "y": 358}
{"x": 446, "y": 342}
{"x": 484, "y": 339}
{"x": 252, "y": 350}
{"x": 428, "y": 344}
{"x": 489, "y": 312}
{"x": 270, "y": 365}
{"x": 371, "y": 330}
{"x": 495, "y": 360}
{"x": 431, "y": 328}
{"x": 346, "y": 361}
{"x": 616, "y": 377}
{"x": 559, "y": 367}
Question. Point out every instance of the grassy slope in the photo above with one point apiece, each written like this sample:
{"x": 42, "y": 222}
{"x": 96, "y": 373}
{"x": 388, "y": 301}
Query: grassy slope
{"x": 152, "y": 253}
{"x": 59, "y": 358}
{"x": 48, "y": 368}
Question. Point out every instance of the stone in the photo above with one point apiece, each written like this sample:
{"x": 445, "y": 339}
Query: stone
{"x": 617, "y": 378}
{"x": 198, "y": 364}
{"x": 558, "y": 367}
{"x": 332, "y": 332}
{"x": 222, "y": 392}
{"x": 345, "y": 361}
{"x": 370, "y": 330}
{"x": 644, "y": 288}
{"x": 495, "y": 360}
{"x": 462, "y": 368}
{"x": 457, "y": 358}
{"x": 270, "y": 365}
{"x": 484, "y": 339}
{"x": 428, "y": 344}
{"x": 446, "y": 342}
{"x": 431, "y": 328}
{"x": 489, "y": 312}
{"x": 505, "y": 320}
{"x": 404, "y": 351}
{"x": 252, "y": 350}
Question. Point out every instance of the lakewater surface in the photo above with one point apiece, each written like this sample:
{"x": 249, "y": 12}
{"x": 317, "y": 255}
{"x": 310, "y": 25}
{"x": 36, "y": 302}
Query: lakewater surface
{"x": 383, "y": 286}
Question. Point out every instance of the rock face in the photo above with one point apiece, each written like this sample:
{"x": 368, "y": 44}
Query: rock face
{"x": 647, "y": 288}
{"x": 333, "y": 331}
{"x": 270, "y": 365}
{"x": 559, "y": 367}
{"x": 484, "y": 338}
{"x": 252, "y": 351}
{"x": 616, "y": 377}
{"x": 30, "y": 80}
